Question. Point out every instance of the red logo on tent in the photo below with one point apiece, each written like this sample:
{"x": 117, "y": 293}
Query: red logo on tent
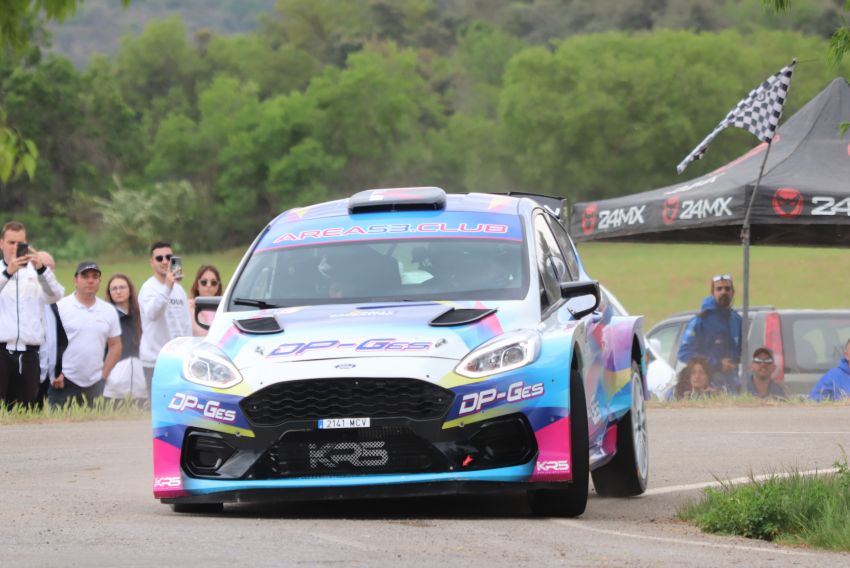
{"x": 671, "y": 210}
{"x": 589, "y": 219}
{"x": 787, "y": 202}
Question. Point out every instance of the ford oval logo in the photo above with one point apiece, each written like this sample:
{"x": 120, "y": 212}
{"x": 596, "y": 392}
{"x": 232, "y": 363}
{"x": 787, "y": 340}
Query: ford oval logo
{"x": 345, "y": 366}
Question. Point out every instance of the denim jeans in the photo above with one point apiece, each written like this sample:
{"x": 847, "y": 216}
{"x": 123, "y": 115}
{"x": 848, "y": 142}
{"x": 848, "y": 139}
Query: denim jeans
{"x": 58, "y": 397}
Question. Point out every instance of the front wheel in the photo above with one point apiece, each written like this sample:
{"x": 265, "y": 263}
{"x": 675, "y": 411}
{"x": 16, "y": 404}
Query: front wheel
{"x": 572, "y": 500}
{"x": 627, "y": 474}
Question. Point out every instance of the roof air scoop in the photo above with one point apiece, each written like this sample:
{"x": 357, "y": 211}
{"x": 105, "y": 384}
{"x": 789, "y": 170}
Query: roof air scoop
{"x": 398, "y": 199}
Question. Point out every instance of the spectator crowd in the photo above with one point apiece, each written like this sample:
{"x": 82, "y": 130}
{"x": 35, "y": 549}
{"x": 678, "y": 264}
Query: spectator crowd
{"x": 709, "y": 356}
{"x": 58, "y": 348}
{"x": 78, "y": 347}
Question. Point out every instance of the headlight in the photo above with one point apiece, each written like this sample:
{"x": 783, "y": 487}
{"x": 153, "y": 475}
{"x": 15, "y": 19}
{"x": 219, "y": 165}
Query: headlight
{"x": 209, "y": 366}
{"x": 504, "y": 353}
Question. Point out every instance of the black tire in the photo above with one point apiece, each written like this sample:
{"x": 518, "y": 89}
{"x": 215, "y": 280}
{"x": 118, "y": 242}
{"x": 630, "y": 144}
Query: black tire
{"x": 627, "y": 474}
{"x": 572, "y": 500}
{"x": 199, "y": 508}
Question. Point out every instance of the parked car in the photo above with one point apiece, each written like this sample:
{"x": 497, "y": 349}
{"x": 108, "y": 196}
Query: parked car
{"x": 660, "y": 375}
{"x": 404, "y": 342}
{"x": 805, "y": 343}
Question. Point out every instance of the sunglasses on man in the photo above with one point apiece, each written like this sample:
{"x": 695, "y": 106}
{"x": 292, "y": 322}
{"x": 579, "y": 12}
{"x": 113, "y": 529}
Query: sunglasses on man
{"x": 763, "y": 360}
{"x": 161, "y": 257}
{"x": 720, "y": 277}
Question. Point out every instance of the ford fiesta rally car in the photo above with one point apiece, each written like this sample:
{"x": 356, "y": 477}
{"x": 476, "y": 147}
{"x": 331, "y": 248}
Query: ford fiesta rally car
{"x": 405, "y": 342}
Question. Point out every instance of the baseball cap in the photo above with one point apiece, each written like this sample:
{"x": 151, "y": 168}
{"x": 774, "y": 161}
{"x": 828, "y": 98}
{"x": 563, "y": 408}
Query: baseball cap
{"x": 762, "y": 351}
{"x": 87, "y": 265}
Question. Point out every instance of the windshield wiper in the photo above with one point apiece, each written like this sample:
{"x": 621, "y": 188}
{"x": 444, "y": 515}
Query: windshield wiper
{"x": 263, "y": 305}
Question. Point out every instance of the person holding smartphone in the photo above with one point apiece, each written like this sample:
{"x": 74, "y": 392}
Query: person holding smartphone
{"x": 27, "y": 285}
{"x": 163, "y": 306}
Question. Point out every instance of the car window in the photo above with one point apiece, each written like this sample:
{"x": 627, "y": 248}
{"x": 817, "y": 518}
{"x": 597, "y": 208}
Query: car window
{"x": 550, "y": 263}
{"x": 567, "y": 248}
{"x": 817, "y": 343}
{"x": 663, "y": 339}
{"x": 389, "y": 270}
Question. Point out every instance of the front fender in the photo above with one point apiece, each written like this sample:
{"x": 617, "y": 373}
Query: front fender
{"x": 623, "y": 335}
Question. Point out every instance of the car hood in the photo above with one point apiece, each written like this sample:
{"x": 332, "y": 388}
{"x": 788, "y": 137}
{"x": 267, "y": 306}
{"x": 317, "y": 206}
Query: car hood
{"x": 364, "y": 330}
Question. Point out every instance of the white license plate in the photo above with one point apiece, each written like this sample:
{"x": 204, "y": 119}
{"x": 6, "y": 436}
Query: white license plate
{"x": 329, "y": 423}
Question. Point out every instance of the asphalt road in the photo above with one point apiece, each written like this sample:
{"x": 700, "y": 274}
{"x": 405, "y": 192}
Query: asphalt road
{"x": 80, "y": 495}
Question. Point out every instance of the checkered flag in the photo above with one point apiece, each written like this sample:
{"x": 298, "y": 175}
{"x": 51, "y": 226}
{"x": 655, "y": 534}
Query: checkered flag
{"x": 758, "y": 112}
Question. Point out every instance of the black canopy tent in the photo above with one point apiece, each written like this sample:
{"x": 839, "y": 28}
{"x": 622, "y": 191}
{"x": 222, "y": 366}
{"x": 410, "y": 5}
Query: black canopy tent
{"x": 803, "y": 197}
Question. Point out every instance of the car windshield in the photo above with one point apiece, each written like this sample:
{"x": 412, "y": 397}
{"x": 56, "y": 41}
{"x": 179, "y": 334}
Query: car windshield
{"x": 385, "y": 270}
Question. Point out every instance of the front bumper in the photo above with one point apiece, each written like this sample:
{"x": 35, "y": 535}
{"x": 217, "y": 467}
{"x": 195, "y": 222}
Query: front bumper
{"x": 214, "y": 443}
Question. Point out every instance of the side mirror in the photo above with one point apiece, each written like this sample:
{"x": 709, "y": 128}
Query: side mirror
{"x": 205, "y": 308}
{"x": 582, "y": 297}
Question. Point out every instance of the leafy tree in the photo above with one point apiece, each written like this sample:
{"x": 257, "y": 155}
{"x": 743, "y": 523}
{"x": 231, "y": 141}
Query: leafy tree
{"x": 159, "y": 69}
{"x": 600, "y": 117}
{"x": 274, "y": 69}
{"x": 377, "y": 112}
{"x": 839, "y": 43}
{"x": 17, "y": 22}
{"x": 135, "y": 217}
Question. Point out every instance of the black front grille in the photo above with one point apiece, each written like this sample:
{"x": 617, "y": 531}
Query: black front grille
{"x": 349, "y": 452}
{"x": 316, "y": 399}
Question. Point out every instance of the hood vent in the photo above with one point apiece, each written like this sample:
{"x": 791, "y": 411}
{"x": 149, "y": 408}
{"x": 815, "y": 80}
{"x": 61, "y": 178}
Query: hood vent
{"x": 461, "y": 317}
{"x": 258, "y": 326}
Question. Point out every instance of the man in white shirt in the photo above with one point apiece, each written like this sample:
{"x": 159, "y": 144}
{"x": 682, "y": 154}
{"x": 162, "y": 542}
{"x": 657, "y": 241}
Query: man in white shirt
{"x": 27, "y": 285}
{"x": 91, "y": 325}
{"x": 164, "y": 308}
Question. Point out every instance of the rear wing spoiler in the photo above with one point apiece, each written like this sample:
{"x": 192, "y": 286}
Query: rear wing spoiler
{"x": 557, "y": 206}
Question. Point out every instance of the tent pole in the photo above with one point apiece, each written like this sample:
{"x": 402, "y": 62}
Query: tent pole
{"x": 745, "y": 240}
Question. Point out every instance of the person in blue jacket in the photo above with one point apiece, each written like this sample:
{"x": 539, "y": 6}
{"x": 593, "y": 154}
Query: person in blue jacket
{"x": 715, "y": 333}
{"x": 835, "y": 384}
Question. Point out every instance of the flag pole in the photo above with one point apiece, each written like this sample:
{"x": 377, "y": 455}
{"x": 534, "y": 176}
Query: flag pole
{"x": 745, "y": 239}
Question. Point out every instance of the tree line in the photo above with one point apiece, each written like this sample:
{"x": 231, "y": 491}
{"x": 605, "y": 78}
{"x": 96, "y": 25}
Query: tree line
{"x": 203, "y": 138}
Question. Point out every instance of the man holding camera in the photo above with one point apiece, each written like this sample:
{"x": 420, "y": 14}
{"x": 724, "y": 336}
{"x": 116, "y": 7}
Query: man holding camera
{"x": 27, "y": 284}
{"x": 164, "y": 307}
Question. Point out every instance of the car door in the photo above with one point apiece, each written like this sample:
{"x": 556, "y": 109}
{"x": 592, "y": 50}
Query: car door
{"x": 665, "y": 339}
{"x": 553, "y": 268}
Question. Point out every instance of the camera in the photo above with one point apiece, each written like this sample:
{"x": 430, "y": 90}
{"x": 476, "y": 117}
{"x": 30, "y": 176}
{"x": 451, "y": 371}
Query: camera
{"x": 176, "y": 266}
{"x": 22, "y": 250}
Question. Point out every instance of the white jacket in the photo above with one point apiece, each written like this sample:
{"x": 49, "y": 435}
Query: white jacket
{"x": 165, "y": 315}
{"x": 22, "y": 301}
{"x": 127, "y": 379}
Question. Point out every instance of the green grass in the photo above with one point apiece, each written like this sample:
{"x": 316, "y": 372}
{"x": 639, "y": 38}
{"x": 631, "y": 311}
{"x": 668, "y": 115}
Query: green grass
{"x": 101, "y": 409}
{"x": 653, "y": 280}
{"x": 795, "y": 509}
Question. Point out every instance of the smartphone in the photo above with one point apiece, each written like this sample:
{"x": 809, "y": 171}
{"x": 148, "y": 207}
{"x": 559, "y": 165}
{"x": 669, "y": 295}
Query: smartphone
{"x": 22, "y": 250}
{"x": 176, "y": 266}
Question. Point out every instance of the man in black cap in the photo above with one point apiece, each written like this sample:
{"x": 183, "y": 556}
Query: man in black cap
{"x": 761, "y": 383}
{"x": 91, "y": 325}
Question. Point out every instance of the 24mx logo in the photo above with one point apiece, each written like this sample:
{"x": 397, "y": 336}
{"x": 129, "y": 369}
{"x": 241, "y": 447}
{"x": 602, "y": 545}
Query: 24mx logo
{"x": 702, "y": 208}
{"x": 614, "y": 218}
{"x": 824, "y": 205}
{"x": 358, "y": 454}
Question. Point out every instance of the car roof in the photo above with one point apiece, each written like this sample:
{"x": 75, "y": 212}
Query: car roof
{"x": 474, "y": 202}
